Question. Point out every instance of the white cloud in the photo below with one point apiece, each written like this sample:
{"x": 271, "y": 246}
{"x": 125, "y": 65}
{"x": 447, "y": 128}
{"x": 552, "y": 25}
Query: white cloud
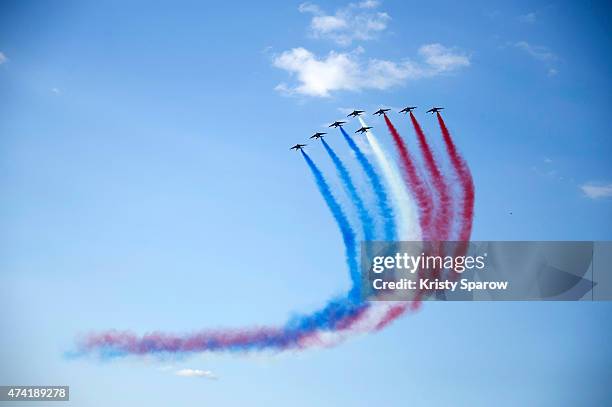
{"x": 309, "y": 8}
{"x": 443, "y": 59}
{"x": 538, "y": 52}
{"x": 56, "y": 91}
{"x": 595, "y": 191}
{"x": 368, "y": 4}
{"x": 207, "y": 374}
{"x": 529, "y": 18}
{"x": 320, "y": 76}
{"x": 3, "y": 58}
{"x": 328, "y": 24}
{"x": 357, "y": 21}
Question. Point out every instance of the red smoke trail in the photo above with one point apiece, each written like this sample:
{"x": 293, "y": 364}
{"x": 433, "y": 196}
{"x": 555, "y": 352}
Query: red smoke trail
{"x": 392, "y": 314}
{"x": 398, "y": 310}
{"x": 413, "y": 180}
{"x": 444, "y": 216}
{"x": 114, "y": 344}
{"x": 424, "y": 200}
{"x": 465, "y": 178}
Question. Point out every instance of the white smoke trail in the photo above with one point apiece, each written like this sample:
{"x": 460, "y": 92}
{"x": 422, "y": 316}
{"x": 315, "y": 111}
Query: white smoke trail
{"x": 406, "y": 215}
{"x": 408, "y": 228}
{"x": 366, "y": 324}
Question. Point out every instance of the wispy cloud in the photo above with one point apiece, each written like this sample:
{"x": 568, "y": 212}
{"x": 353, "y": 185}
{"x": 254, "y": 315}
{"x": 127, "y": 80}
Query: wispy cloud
{"x": 597, "y": 191}
{"x": 207, "y": 374}
{"x": 368, "y": 4}
{"x": 354, "y": 22}
{"x": 3, "y": 58}
{"x": 528, "y": 18}
{"x": 539, "y": 52}
{"x": 349, "y": 71}
{"x": 442, "y": 59}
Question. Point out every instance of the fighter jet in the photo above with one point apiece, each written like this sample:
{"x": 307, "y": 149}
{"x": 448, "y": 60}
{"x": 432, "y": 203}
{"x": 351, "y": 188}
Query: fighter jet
{"x": 363, "y": 130}
{"x": 434, "y": 110}
{"x": 408, "y": 109}
{"x": 317, "y": 135}
{"x": 336, "y": 124}
{"x": 298, "y": 147}
{"x": 355, "y": 113}
{"x": 380, "y": 112}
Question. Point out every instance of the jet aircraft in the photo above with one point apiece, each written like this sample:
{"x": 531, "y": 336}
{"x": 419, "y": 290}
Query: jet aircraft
{"x": 355, "y": 113}
{"x": 380, "y": 112}
{"x": 363, "y": 129}
{"x": 298, "y": 147}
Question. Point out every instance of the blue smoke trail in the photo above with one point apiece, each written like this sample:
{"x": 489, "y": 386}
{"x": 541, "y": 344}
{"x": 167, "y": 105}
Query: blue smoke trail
{"x": 348, "y": 235}
{"x": 379, "y": 190}
{"x": 364, "y": 216}
{"x": 338, "y": 314}
{"x": 335, "y": 313}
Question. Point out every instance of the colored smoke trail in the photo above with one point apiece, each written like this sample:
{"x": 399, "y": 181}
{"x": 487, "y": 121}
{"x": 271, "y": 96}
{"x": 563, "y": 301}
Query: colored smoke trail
{"x": 424, "y": 200}
{"x": 444, "y": 215}
{"x": 390, "y": 313}
{"x": 408, "y": 225}
{"x": 419, "y": 189}
{"x": 465, "y": 178}
{"x": 348, "y": 235}
{"x": 364, "y": 216}
{"x": 379, "y": 190}
{"x": 339, "y": 316}
{"x": 407, "y": 218}
{"x": 393, "y": 313}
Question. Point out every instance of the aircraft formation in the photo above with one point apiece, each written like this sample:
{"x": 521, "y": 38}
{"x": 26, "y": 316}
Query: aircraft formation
{"x": 363, "y": 129}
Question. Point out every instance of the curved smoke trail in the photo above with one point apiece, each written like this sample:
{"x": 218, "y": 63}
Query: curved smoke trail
{"x": 379, "y": 190}
{"x": 408, "y": 228}
{"x": 419, "y": 189}
{"x": 348, "y": 235}
{"x": 465, "y": 178}
{"x": 339, "y": 316}
{"x": 382, "y": 314}
{"x": 301, "y": 331}
{"x": 407, "y": 218}
{"x": 364, "y": 216}
{"x": 444, "y": 215}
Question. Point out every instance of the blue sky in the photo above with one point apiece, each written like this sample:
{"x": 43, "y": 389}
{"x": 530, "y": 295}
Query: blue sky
{"x": 148, "y": 185}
